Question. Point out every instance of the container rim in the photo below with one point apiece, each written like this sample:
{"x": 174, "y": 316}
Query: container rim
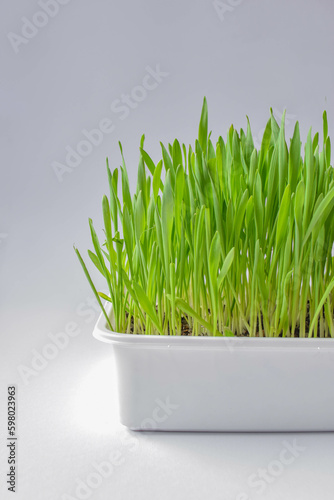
{"x": 103, "y": 333}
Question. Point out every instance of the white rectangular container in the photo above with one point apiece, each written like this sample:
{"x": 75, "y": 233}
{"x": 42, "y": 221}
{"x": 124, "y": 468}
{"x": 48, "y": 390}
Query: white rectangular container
{"x": 179, "y": 383}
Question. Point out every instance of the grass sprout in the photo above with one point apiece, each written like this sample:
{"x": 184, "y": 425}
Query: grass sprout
{"x": 222, "y": 239}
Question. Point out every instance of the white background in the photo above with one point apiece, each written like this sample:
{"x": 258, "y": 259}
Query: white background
{"x": 255, "y": 55}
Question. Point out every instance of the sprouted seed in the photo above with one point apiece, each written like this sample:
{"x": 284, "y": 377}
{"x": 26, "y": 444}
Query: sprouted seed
{"x": 221, "y": 240}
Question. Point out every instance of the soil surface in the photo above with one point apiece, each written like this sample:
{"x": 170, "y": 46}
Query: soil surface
{"x": 187, "y": 331}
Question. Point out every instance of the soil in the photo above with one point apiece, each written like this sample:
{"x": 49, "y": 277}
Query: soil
{"x": 187, "y": 331}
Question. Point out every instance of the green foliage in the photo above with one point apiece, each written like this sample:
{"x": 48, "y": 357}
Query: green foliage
{"x": 230, "y": 239}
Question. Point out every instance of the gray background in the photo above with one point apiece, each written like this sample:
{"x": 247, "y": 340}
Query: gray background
{"x": 256, "y": 55}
